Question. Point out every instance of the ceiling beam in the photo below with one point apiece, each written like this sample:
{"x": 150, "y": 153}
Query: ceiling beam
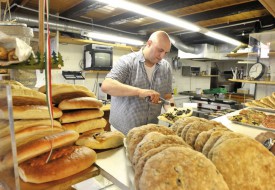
{"x": 269, "y": 5}
{"x": 82, "y": 8}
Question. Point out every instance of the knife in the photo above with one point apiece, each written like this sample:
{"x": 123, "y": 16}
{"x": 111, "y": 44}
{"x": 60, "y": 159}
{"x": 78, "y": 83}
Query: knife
{"x": 162, "y": 101}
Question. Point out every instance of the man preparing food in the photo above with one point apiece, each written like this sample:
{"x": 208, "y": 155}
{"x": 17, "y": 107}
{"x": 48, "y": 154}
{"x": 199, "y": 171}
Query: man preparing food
{"x": 136, "y": 76}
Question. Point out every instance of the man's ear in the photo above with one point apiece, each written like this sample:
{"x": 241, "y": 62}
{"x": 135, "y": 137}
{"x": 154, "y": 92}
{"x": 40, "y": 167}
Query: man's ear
{"x": 149, "y": 42}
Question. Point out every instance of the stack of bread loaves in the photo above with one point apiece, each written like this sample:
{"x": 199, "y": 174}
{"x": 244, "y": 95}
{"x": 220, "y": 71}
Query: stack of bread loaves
{"x": 30, "y": 114}
{"x": 82, "y": 113}
{"x": 44, "y": 153}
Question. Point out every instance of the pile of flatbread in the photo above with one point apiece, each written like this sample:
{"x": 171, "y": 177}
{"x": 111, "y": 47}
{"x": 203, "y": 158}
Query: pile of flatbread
{"x": 196, "y": 153}
{"x": 266, "y": 102}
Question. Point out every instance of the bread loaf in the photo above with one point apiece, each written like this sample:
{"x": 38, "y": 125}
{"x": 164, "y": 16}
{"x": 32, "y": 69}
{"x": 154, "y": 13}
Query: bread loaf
{"x": 27, "y": 96}
{"x": 103, "y": 140}
{"x": 3, "y": 53}
{"x": 27, "y": 135}
{"x": 64, "y": 162}
{"x": 80, "y": 103}
{"x": 30, "y": 112}
{"x": 23, "y": 124}
{"x": 42, "y": 145}
{"x": 87, "y": 125}
{"x": 80, "y": 115}
{"x": 12, "y": 56}
{"x": 67, "y": 91}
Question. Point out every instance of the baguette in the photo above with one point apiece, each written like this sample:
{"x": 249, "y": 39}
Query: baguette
{"x": 23, "y": 124}
{"x": 27, "y": 135}
{"x": 80, "y": 115}
{"x": 67, "y": 91}
{"x": 30, "y": 112}
{"x": 87, "y": 125}
{"x": 80, "y": 103}
{"x": 64, "y": 162}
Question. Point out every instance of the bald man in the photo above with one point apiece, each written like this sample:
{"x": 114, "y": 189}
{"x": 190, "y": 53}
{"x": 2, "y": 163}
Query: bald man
{"x": 136, "y": 76}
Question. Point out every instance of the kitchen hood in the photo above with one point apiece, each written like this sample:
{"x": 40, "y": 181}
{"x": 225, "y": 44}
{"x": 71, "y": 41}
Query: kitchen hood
{"x": 204, "y": 52}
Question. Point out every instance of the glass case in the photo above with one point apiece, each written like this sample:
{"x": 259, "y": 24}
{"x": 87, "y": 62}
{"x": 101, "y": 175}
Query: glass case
{"x": 9, "y": 178}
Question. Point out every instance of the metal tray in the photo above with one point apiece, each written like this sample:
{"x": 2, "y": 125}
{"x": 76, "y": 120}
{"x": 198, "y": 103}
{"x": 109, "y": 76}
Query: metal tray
{"x": 263, "y": 109}
{"x": 254, "y": 126}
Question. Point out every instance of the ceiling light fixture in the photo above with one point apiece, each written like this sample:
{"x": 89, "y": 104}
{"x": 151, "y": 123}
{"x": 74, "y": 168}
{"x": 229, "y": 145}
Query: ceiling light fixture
{"x": 152, "y": 13}
{"x": 222, "y": 38}
{"x": 158, "y": 15}
{"x": 112, "y": 38}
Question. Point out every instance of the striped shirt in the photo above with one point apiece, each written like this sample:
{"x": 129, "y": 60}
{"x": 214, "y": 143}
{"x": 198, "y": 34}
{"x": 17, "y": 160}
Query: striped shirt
{"x": 132, "y": 111}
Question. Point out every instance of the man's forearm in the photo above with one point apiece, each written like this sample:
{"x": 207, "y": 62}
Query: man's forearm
{"x": 115, "y": 88}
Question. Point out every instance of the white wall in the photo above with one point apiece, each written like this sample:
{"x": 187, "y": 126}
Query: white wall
{"x": 73, "y": 55}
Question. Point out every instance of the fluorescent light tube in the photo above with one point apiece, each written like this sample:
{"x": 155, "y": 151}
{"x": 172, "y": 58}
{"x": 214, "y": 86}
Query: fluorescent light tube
{"x": 113, "y": 38}
{"x": 158, "y": 15}
{"x": 152, "y": 13}
{"x": 223, "y": 38}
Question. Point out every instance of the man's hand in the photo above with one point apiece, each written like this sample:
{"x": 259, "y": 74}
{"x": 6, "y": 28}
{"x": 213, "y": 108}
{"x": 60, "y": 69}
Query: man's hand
{"x": 153, "y": 95}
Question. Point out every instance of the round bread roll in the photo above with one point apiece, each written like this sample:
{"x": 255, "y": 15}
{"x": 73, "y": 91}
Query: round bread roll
{"x": 30, "y": 112}
{"x": 80, "y": 103}
{"x": 3, "y": 53}
{"x": 63, "y": 162}
{"x": 103, "y": 140}
{"x": 12, "y": 56}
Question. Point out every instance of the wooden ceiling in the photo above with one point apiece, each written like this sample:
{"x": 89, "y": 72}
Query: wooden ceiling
{"x": 235, "y": 18}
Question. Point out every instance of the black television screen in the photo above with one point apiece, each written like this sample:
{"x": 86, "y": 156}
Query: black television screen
{"x": 98, "y": 57}
{"x": 102, "y": 59}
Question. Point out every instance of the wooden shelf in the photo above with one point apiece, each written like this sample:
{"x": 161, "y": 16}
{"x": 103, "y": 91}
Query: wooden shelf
{"x": 271, "y": 54}
{"x": 242, "y": 54}
{"x": 99, "y": 72}
{"x": 76, "y": 41}
{"x": 65, "y": 183}
{"x": 253, "y": 81}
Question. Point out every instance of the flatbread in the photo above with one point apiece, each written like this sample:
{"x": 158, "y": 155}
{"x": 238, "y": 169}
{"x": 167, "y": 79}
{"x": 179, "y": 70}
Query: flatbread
{"x": 146, "y": 156}
{"x": 204, "y": 136}
{"x": 211, "y": 141}
{"x": 180, "y": 168}
{"x": 153, "y": 140}
{"x": 245, "y": 164}
{"x": 136, "y": 135}
{"x": 195, "y": 130}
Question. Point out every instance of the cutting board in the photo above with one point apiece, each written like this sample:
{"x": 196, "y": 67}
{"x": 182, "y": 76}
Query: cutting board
{"x": 62, "y": 184}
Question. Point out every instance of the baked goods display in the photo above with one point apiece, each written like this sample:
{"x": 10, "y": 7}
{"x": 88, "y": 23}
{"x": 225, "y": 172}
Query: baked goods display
{"x": 174, "y": 113}
{"x": 267, "y": 102}
{"x": 254, "y": 118}
{"x": 22, "y": 95}
{"x": 210, "y": 156}
{"x": 38, "y": 138}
